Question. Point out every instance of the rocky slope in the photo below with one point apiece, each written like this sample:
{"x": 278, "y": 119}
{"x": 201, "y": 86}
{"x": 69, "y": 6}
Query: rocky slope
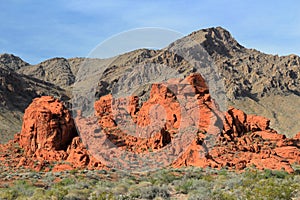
{"x": 255, "y": 82}
{"x": 248, "y": 72}
{"x": 56, "y": 71}
{"x": 16, "y": 93}
{"x": 9, "y": 61}
{"x": 258, "y": 83}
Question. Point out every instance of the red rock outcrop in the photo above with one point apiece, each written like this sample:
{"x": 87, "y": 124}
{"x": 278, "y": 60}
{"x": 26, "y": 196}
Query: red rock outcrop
{"x": 48, "y": 134}
{"x": 246, "y": 141}
{"x": 159, "y": 118}
{"x": 48, "y": 126}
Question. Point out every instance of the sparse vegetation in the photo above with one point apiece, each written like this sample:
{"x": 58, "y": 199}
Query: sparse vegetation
{"x": 186, "y": 183}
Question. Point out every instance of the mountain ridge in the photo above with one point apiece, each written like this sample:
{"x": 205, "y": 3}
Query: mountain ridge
{"x": 254, "y": 81}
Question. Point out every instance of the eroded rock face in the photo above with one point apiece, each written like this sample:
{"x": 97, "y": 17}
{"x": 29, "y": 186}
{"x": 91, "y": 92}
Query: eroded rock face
{"x": 246, "y": 141}
{"x": 237, "y": 123}
{"x": 56, "y": 71}
{"x": 48, "y": 135}
{"x": 243, "y": 140}
{"x": 47, "y": 125}
{"x": 158, "y": 119}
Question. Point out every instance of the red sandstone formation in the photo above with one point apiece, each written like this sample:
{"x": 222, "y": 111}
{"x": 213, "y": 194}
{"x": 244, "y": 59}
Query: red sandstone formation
{"x": 246, "y": 140}
{"x": 48, "y": 126}
{"x": 159, "y": 119}
{"x": 49, "y": 136}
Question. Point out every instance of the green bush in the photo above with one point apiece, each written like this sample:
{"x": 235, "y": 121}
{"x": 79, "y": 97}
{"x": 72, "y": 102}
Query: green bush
{"x": 77, "y": 195}
{"x": 102, "y": 196}
{"x": 185, "y": 186}
{"x": 38, "y": 194}
{"x": 270, "y": 189}
{"x": 152, "y": 192}
{"x": 8, "y": 194}
{"x": 186, "y": 183}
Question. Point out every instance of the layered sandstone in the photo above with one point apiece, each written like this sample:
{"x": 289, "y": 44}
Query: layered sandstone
{"x": 172, "y": 106}
{"x": 246, "y": 141}
{"x": 49, "y": 137}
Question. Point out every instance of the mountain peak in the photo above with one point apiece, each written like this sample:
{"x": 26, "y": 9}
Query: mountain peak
{"x": 217, "y": 41}
{"x": 11, "y": 62}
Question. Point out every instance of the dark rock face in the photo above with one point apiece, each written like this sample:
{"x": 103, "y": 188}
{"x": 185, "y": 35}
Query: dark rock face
{"x": 248, "y": 72}
{"x": 56, "y": 71}
{"x": 11, "y": 62}
{"x": 16, "y": 93}
{"x": 255, "y": 82}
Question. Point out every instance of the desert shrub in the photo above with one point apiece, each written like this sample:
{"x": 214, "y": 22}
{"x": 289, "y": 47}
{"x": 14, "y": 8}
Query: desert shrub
{"x": 232, "y": 183}
{"x": 48, "y": 178}
{"x": 185, "y": 186}
{"x": 210, "y": 193}
{"x": 120, "y": 189}
{"x": 208, "y": 177}
{"x": 8, "y": 194}
{"x": 280, "y": 174}
{"x": 251, "y": 184}
{"x": 102, "y": 190}
{"x": 101, "y": 196}
{"x": 200, "y": 194}
{"x": 135, "y": 190}
{"x": 66, "y": 181}
{"x": 57, "y": 192}
{"x": 192, "y": 172}
{"x": 223, "y": 172}
{"x": 271, "y": 189}
{"x": 188, "y": 183}
{"x": 152, "y": 192}
{"x": 193, "y": 186}
{"x": 23, "y": 188}
{"x": 77, "y": 194}
{"x": 222, "y": 195}
{"x": 164, "y": 177}
{"x": 38, "y": 194}
{"x": 74, "y": 171}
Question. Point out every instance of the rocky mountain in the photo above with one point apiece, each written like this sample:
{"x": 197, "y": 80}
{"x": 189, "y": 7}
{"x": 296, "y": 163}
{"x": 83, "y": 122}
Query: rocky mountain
{"x": 9, "y": 61}
{"x": 16, "y": 93}
{"x": 248, "y": 72}
{"x": 255, "y": 82}
{"x": 56, "y": 71}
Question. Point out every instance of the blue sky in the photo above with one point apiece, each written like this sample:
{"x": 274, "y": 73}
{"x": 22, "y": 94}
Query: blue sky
{"x": 37, "y": 30}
